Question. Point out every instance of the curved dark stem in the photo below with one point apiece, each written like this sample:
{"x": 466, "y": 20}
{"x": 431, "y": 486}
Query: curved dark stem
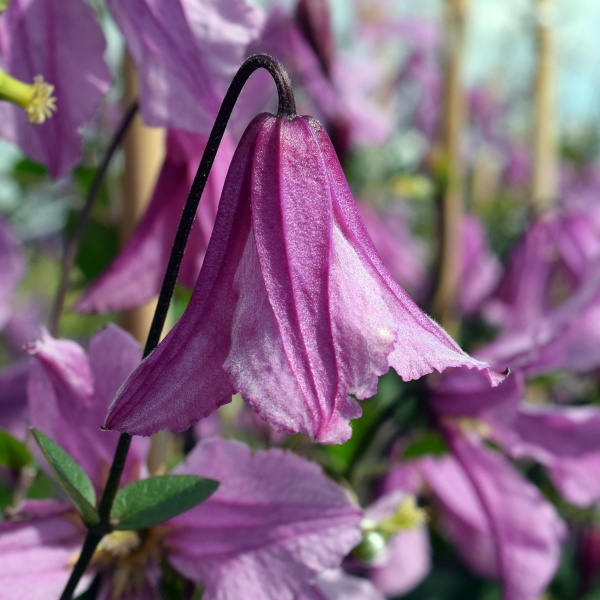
{"x": 73, "y": 244}
{"x": 287, "y": 109}
{"x": 89, "y": 547}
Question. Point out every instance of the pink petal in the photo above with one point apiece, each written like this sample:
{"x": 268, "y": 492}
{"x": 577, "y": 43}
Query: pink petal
{"x": 38, "y": 549}
{"x": 200, "y": 340}
{"x": 69, "y": 393}
{"x": 137, "y": 273}
{"x": 61, "y": 40}
{"x": 566, "y": 440}
{"x": 501, "y": 523}
{"x": 274, "y": 523}
{"x": 186, "y": 53}
{"x": 337, "y": 585}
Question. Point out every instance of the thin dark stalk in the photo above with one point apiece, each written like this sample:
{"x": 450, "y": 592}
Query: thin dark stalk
{"x": 89, "y": 547}
{"x": 287, "y": 108}
{"x": 73, "y": 244}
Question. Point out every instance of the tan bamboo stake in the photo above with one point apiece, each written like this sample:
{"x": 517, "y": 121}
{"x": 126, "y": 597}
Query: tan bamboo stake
{"x": 544, "y": 183}
{"x": 454, "y": 113}
{"x": 144, "y": 153}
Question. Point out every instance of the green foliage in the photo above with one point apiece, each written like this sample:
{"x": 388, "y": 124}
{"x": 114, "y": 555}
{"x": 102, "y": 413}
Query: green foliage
{"x": 72, "y": 478}
{"x": 429, "y": 444}
{"x": 154, "y": 500}
{"x": 13, "y": 453}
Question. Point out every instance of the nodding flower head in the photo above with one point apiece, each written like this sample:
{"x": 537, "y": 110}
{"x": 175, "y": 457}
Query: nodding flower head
{"x": 293, "y": 307}
{"x": 36, "y": 98}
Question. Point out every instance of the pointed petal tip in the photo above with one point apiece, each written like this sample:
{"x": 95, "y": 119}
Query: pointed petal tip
{"x": 496, "y": 377}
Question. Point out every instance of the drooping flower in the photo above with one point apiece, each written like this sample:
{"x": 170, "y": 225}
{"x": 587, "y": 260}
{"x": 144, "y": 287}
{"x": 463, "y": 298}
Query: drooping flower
{"x": 293, "y": 308}
{"x": 137, "y": 273}
{"x": 62, "y": 42}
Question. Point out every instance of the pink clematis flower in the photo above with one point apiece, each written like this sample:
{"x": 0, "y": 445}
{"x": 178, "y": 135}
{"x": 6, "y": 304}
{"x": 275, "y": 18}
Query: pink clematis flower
{"x": 501, "y": 524}
{"x": 548, "y": 301}
{"x": 137, "y": 273}
{"x": 565, "y": 439}
{"x": 61, "y": 40}
{"x": 276, "y": 518}
{"x": 293, "y": 308}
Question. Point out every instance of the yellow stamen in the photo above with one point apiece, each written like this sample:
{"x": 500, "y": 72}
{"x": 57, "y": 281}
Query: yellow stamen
{"x": 127, "y": 555}
{"x": 472, "y": 424}
{"x": 407, "y": 516}
{"x": 36, "y": 98}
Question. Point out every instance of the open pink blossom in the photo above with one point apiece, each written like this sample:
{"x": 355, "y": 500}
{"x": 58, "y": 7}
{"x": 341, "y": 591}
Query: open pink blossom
{"x": 548, "y": 302}
{"x": 274, "y": 513}
{"x": 137, "y": 273}
{"x": 501, "y": 524}
{"x": 62, "y": 41}
{"x": 293, "y": 307}
{"x": 565, "y": 439}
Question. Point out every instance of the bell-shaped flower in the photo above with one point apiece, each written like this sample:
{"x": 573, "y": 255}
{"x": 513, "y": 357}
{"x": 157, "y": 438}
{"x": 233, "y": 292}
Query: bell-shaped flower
{"x": 293, "y": 307}
{"x": 137, "y": 273}
{"x": 61, "y": 41}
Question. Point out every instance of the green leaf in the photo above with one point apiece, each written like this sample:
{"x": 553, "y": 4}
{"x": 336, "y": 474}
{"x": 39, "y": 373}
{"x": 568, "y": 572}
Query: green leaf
{"x": 430, "y": 444}
{"x": 151, "y": 501}
{"x": 13, "y": 453}
{"x": 72, "y": 478}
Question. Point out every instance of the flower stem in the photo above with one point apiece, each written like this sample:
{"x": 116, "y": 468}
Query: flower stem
{"x": 73, "y": 244}
{"x": 287, "y": 108}
{"x": 89, "y": 547}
